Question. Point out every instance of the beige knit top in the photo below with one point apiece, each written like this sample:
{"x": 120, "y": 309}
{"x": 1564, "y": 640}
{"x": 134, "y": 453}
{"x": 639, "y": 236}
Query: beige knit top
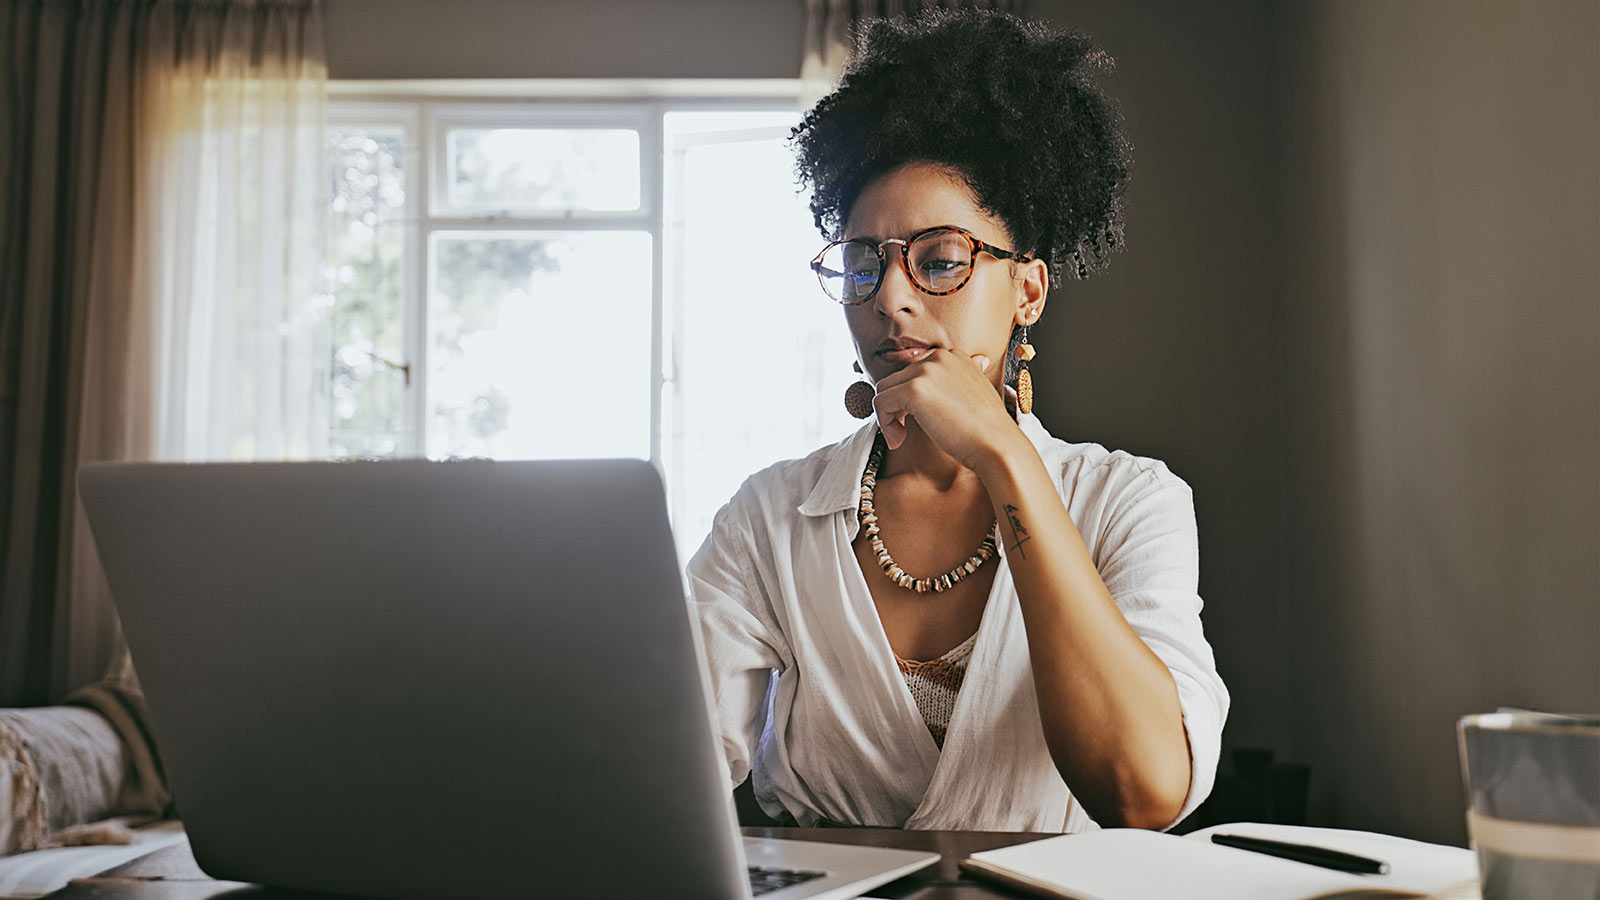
{"x": 935, "y": 683}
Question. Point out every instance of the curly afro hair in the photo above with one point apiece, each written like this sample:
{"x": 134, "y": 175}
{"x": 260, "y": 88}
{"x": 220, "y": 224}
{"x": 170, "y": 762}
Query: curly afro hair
{"x": 1008, "y": 104}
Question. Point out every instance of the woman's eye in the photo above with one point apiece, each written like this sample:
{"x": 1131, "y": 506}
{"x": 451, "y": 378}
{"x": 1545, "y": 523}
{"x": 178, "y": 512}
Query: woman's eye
{"x": 941, "y": 265}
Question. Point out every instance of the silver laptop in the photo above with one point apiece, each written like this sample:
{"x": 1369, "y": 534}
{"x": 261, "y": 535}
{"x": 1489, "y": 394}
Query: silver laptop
{"x": 436, "y": 680}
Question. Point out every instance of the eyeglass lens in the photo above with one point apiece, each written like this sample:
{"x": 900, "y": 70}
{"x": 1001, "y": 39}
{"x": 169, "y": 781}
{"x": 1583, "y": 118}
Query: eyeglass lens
{"x": 939, "y": 262}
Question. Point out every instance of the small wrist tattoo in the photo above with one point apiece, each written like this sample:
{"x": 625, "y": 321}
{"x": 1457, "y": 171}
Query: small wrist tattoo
{"x": 1017, "y": 531}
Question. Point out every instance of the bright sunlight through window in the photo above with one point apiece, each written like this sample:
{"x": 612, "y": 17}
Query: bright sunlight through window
{"x": 536, "y": 281}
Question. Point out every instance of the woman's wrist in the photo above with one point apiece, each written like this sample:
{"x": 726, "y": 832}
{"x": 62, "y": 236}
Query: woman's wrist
{"x": 1006, "y": 459}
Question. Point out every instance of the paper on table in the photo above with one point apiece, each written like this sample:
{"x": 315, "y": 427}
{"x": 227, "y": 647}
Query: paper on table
{"x": 1127, "y": 864}
{"x": 1448, "y": 873}
{"x": 41, "y": 872}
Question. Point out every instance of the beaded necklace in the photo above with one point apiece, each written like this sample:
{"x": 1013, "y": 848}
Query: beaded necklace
{"x": 869, "y": 521}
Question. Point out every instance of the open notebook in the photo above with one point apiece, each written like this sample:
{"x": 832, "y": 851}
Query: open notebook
{"x": 1128, "y": 864}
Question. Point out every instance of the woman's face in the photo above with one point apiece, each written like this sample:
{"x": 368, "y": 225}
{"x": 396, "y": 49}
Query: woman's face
{"x": 900, "y": 323}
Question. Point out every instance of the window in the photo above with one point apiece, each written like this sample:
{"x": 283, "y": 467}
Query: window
{"x": 522, "y": 280}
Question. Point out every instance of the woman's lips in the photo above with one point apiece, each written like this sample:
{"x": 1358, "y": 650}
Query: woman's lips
{"x": 904, "y": 355}
{"x": 903, "y": 349}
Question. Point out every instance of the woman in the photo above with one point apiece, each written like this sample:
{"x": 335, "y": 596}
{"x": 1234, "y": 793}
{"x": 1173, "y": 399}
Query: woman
{"x": 951, "y": 619}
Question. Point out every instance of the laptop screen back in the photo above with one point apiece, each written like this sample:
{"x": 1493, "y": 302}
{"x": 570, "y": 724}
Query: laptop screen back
{"x": 421, "y": 679}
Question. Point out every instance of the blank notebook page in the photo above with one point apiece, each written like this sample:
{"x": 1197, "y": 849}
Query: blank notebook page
{"x": 1129, "y": 864}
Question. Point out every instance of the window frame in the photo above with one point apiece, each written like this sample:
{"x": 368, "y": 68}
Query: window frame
{"x": 426, "y": 111}
{"x": 440, "y": 118}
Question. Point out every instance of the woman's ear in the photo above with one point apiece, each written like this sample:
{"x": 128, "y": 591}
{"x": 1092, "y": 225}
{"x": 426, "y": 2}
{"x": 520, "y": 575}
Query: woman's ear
{"x": 1033, "y": 286}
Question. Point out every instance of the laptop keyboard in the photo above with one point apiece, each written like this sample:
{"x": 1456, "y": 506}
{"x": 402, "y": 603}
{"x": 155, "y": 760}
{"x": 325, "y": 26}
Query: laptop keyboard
{"x": 765, "y": 881}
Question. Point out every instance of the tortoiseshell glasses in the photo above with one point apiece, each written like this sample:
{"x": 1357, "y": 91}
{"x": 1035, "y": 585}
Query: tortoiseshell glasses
{"x": 937, "y": 260}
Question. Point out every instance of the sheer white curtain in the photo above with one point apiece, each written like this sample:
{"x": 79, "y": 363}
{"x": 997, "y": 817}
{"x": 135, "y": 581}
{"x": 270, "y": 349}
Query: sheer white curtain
{"x": 234, "y": 207}
{"x": 830, "y": 37}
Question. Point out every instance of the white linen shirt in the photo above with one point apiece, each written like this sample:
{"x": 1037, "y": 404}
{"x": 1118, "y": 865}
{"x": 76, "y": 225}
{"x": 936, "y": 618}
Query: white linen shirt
{"x": 806, "y": 688}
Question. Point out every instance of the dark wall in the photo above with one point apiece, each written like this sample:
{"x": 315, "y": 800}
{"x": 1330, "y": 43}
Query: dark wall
{"x": 563, "y": 38}
{"x": 1360, "y": 313}
{"x": 1440, "y": 293}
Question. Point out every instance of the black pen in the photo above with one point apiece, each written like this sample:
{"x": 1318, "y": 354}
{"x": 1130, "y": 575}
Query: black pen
{"x": 1316, "y": 856}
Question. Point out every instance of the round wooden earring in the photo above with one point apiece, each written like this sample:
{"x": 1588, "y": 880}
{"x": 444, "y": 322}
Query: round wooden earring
{"x": 858, "y": 399}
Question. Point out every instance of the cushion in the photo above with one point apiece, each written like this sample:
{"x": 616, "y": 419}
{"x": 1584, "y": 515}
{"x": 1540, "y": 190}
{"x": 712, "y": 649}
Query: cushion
{"x": 60, "y": 766}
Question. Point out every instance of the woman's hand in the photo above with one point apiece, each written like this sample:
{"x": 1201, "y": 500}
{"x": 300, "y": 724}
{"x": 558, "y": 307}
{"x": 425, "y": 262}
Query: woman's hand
{"x": 952, "y": 400}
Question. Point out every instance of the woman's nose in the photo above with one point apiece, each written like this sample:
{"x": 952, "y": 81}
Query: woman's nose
{"x": 897, "y": 293}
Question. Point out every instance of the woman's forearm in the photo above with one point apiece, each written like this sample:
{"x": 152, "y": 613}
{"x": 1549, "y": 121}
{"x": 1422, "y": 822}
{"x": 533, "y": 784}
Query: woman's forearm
{"x": 1108, "y": 705}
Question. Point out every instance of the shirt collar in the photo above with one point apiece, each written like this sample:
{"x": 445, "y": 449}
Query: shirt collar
{"x": 838, "y": 488}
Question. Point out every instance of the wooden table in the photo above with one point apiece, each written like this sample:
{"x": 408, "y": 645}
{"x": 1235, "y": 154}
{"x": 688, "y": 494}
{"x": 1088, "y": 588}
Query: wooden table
{"x": 171, "y": 873}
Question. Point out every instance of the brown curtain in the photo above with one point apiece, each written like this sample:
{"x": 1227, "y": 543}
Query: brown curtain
{"x": 86, "y": 107}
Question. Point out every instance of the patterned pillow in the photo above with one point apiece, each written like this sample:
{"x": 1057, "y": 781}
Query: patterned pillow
{"x": 60, "y": 766}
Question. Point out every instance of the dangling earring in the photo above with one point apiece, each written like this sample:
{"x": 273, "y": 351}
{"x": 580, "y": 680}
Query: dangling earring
{"x": 858, "y": 396}
{"x": 1024, "y": 379}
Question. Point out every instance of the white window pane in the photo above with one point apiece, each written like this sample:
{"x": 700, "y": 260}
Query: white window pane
{"x": 543, "y": 169}
{"x": 539, "y": 345}
{"x": 365, "y": 175}
{"x": 763, "y": 356}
